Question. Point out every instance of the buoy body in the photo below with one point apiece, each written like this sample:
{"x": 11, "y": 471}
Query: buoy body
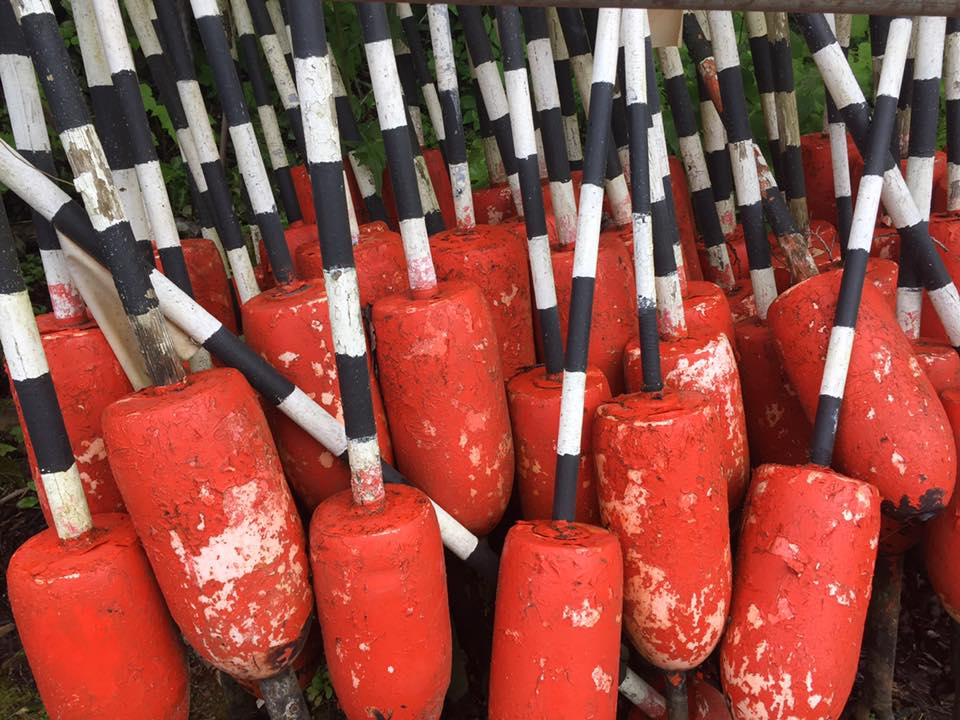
{"x": 943, "y": 532}
{"x": 203, "y": 483}
{"x": 683, "y": 209}
{"x": 208, "y": 278}
{"x": 892, "y": 429}
{"x": 707, "y": 309}
{"x": 743, "y": 304}
{"x": 382, "y": 603}
{"x": 556, "y": 634}
{"x": 290, "y": 327}
{"x": 614, "y": 318}
{"x": 818, "y": 174}
{"x": 495, "y": 259}
{"x": 378, "y": 256}
{"x": 535, "y": 413}
{"x": 493, "y": 205}
{"x": 945, "y": 230}
{"x": 705, "y": 364}
{"x": 800, "y": 593}
{"x": 940, "y": 363}
{"x": 452, "y": 436}
{"x": 777, "y": 427}
{"x": 663, "y": 494}
{"x": 96, "y": 632}
{"x": 87, "y": 377}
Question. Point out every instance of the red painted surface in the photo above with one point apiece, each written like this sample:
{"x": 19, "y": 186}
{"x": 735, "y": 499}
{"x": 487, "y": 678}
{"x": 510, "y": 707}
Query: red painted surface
{"x": 211, "y": 288}
{"x": 945, "y": 231}
{"x": 661, "y": 486}
{"x": 824, "y": 248}
{"x": 800, "y": 593}
{"x": 705, "y": 364}
{"x": 777, "y": 428}
{"x": 443, "y": 386}
{"x": 943, "y": 532}
{"x": 685, "y": 224}
{"x": 614, "y": 319}
{"x": 535, "y": 413}
{"x": 382, "y": 603}
{"x": 98, "y": 637}
{"x": 378, "y": 256}
{"x": 886, "y": 243}
{"x": 87, "y": 377}
{"x": 941, "y": 190}
{"x": 705, "y": 702}
{"x": 305, "y": 665}
{"x": 892, "y": 429}
{"x": 494, "y": 258}
{"x": 742, "y": 303}
{"x": 492, "y": 205}
{"x": 439, "y": 177}
{"x": 707, "y": 309}
{"x": 940, "y": 363}
{"x": 203, "y": 483}
{"x": 290, "y": 328}
{"x": 882, "y": 274}
{"x": 556, "y": 635}
{"x": 301, "y": 184}
{"x": 818, "y": 174}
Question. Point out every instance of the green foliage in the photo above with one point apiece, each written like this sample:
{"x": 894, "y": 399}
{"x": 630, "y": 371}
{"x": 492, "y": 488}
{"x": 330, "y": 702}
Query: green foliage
{"x": 320, "y": 690}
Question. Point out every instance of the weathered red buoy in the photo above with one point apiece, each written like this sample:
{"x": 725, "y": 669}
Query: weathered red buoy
{"x": 705, "y": 364}
{"x": 818, "y": 174}
{"x": 381, "y": 266}
{"x": 201, "y": 477}
{"x": 940, "y": 363}
{"x": 208, "y": 278}
{"x": 777, "y": 427}
{"x": 800, "y": 592}
{"x": 87, "y": 377}
{"x": 824, "y": 249}
{"x": 452, "y": 436}
{"x": 290, "y": 327}
{"x": 87, "y": 611}
{"x": 707, "y": 310}
{"x": 943, "y": 532}
{"x": 557, "y": 654}
{"x": 392, "y": 641}
{"x": 892, "y": 428}
{"x": 535, "y": 413}
{"x": 614, "y": 314}
{"x": 495, "y": 259}
{"x": 661, "y": 485}
{"x": 743, "y": 305}
{"x": 493, "y": 205}
{"x": 945, "y": 229}
{"x": 683, "y": 210}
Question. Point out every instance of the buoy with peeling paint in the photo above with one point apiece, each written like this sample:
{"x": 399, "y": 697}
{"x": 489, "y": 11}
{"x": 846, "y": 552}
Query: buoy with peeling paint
{"x": 561, "y": 657}
{"x": 943, "y": 533}
{"x": 81, "y": 592}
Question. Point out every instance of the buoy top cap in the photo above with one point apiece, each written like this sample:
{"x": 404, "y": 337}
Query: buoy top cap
{"x": 46, "y": 555}
{"x": 652, "y": 408}
{"x": 456, "y": 292}
{"x": 219, "y": 381}
{"x": 483, "y": 235}
{"x": 535, "y": 382}
{"x": 340, "y": 516}
{"x": 554, "y": 533}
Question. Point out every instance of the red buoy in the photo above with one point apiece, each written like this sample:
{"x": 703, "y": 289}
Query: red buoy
{"x": 290, "y": 328}
{"x": 86, "y": 611}
{"x": 494, "y": 258}
{"x": 778, "y": 430}
{"x": 683, "y": 209}
{"x": 391, "y": 636}
{"x": 557, "y": 654}
{"x": 452, "y": 436}
{"x": 201, "y": 477}
{"x": 535, "y": 412}
{"x": 301, "y": 185}
{"x": 940, "y": 363}
{"x": 614, "y": 304}
{"x": 661, "y": 485}
{"x": 800, "y": 592}
{"x": 945, "y": 229}
{"x": 439, "y": 178}
{"x": 87, "y": 377}
{"x": 818, "y": 174}
{"x": 943, "y": 532}
{"x": 208, "y": 278}
{"x": 892, "y": 428}
{"x": 707, "y": 310}
{"x": 493, "y": 205}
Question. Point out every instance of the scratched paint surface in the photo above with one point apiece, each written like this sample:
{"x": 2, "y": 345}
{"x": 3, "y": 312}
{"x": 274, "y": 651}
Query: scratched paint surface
{"x": 203, "y": 483}
{"x": 943, "y": 532}
{"x": 945, "y": 231}
{"x": 818, "y": 172}
{"x": 940, "y": 363}
{"x": 493, "y": 205}
{"x": 661, "y": 486}
{"x": 892, "y": 430}
{"x": 451, "y": 434}
{"x": 94, "y": 626}
{"x": 556, "y": 635}
{"x": 800, "y": 593}
{"x": 290, "y": 328}
{"x": 209, "y": 279}
{"x": 382, "y": 602}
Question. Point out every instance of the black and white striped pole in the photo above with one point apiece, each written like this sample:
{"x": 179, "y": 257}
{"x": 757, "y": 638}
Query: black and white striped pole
{"x": 839, "y": 155}
{"x": 719, "y": 269}
{"x": 763, "y": 71}
{"x": 428, "y": 89}
{"x": 408, "y": 82}
{"x": 549, "y": 105}
{"x": 910, "y": 224}
{"x": 922, "y": 145}
{"x": 277, "y": 154}
{"x": 740, "y": 145}
{"x": 901, "y": 140}
{"x": 166, "y": 21}
{"x": 951, "y": 72}
{"x": 496, "y": 172}
{"x": 879, "y": 26}
{"x": 568, "y": 101}
{"x": 69, "y": 218}
{"x": 95, "y": 184}
{"x": 210, "y": 22}
{"x": 791, "y": 159}
{"x": 19, "y": 83}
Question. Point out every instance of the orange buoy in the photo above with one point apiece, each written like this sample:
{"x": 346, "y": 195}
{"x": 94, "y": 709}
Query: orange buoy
{"x": 660, "y": 481}
{"x": 913, "y": 463}
{"x": 534, "y": 401}
{"x": 201, "y": 477}
{"x": 290, "y": 327}
{"x": 800, "y": 591}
